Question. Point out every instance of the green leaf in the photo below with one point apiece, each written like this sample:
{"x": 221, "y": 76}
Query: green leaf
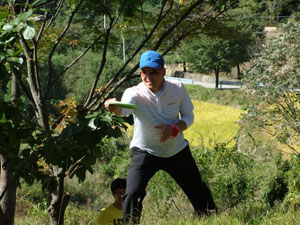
{"x": 106, "y": 119}
{"x": 29, "y": 31}
{"x": 19, "y": 51}
{"x": 118, "y": 119}
{"x": 79, "y": 128}
{"x": 2, "y": 118}
{"x": 117, "y": 132}
{"x": 80, "y": 173}
{"x": 129, "y": 119}
{"x": 9, "y": 40}
{"x": 92, "y": 115}
{"x": 20, "y": 26}
{"x": 26, "y": 15}
{"x": 90, "y": 169}
{"x": 67, "y": 132}
{"x": 13, "y": 140}
{"x": 3, "y": 15}
{"x": 2, "y": 57}
{"x": 89, "y": 159}
{"x": 33, "y": 4}
{"x": 15, "y": 60}
{"x": 8, "y": 26}
{"x": 13, "y": 25}
{"x": 10, "y": 52}
{"x": 92, "y": 124}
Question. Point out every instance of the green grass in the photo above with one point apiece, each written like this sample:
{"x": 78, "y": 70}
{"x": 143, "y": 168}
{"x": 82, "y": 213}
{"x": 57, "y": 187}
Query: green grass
{"x": 234, "y": 97}
{"x": 248, "y": 213}
{"x": 254, "y": 213}
{"x": 216, "y": 113}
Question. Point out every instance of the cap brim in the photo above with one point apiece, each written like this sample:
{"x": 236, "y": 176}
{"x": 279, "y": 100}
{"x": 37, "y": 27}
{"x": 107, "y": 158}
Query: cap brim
{"x": 151, "y": 65}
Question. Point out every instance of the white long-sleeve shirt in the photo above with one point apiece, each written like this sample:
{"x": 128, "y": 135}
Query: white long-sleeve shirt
{"x": 153, "y": 110}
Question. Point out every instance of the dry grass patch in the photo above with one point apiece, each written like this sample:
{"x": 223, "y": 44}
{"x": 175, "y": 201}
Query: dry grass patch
{"x": 213, "y": 123}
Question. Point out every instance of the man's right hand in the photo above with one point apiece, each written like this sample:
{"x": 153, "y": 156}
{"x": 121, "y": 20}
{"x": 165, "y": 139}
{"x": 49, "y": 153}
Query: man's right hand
{"x": 112, "y": 108}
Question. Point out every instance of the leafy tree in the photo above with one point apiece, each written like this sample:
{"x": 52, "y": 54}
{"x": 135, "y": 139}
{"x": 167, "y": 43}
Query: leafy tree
{"x": 273, "y": 83}
{"x": 275, "y": 11}
{"x": 65, "y": 142}
{"x": 208, "y": 55}
{"x": 230, "y": 47}
{"x": 272, "y": 12}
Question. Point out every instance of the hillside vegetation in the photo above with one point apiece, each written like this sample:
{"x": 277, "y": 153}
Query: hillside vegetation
{"x": 248, "y": 187}
{"x": 228, "y": 97}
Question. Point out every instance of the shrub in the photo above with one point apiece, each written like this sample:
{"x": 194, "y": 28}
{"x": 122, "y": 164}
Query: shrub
{"x": 227, "y": 172}
{"x": 273, "y": 82}
{"x": 292, "y": 199}
{"x": 276, "y": 186}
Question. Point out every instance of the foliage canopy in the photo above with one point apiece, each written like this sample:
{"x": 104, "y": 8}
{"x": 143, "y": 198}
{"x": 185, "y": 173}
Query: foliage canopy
{"x": 273, "y": 83}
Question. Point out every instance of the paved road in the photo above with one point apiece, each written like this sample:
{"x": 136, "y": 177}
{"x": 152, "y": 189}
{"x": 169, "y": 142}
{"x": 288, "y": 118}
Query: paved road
{"x": 203, "y": 84}
{"x": 212, "y": 85}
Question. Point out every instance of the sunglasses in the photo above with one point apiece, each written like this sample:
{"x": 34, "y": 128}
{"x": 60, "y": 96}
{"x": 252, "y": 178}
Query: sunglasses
{"x": 153, "y": 72}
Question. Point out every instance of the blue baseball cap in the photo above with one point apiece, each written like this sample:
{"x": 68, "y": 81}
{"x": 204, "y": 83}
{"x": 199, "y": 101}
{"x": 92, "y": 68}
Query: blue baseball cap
{"x": 151, "y": 59}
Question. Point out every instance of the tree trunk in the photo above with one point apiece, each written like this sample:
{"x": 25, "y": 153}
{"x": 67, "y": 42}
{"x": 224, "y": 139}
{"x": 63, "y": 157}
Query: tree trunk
{"x": 8, "y": 189}
{"x": 238, "y": 72}
{"x": 217, "y": 77}
{"x": 15, "y": 91}
{"x": 59, "y": 200}
{"x": 184, "y": 66}
{"x": 8, "y": 181}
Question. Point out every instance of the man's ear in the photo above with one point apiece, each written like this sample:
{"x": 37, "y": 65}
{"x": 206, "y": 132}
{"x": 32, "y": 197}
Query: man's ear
{"x": 164, "y": 71}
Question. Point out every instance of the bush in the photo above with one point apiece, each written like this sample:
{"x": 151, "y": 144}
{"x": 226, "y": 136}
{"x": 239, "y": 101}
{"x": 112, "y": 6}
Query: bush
{"x": 227, "y": 173}
{"x": 276, "y": 185}
{"x": 273, "y": 83}
{"x": 292, "y": 199}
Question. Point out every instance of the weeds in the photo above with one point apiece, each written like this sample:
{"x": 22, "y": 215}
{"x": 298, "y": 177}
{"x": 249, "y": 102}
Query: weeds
{"x": 249, "y": 187}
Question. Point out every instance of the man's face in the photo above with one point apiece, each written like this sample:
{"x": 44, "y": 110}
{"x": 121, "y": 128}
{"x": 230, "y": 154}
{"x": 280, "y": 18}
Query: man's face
{"x": 153, "y": 78}
{"x": 118, "y": 194}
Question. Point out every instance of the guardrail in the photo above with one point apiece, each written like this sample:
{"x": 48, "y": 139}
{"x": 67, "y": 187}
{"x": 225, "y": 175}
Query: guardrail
{"x": 230, "y": 82}
{"x": 182, "y": 80}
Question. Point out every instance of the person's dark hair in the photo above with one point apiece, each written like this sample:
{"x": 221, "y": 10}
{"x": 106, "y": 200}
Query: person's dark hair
{"x": 119, "y": 183}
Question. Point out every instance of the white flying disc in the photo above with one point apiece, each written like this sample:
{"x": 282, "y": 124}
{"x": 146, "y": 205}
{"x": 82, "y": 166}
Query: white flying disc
{"x": 123, "y": 104}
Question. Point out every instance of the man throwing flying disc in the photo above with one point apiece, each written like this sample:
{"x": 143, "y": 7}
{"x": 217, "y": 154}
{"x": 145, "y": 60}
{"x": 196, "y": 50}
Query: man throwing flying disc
{"x": 163, "y": 111}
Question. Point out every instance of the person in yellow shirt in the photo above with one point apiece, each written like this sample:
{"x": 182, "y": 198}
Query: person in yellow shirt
{"x": 112, "y": 215}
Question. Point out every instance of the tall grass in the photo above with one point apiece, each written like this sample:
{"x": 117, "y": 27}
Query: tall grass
{"x": 213, "y": 123}
{"x": 235, "y": 98}
{"x": 241, "y": 185}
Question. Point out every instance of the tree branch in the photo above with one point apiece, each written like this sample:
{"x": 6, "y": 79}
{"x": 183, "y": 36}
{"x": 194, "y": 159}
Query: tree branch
{"x": 92, "y": 104}
{"x": 29, "y": 98}
{"x": 102, "y": 64}
{"x": 178, "y": 22}
{"x": 105, "y": 9}
{"x": 36, "y": 69}
{"x": 120, "y": 13}
{"x": 57, "y": 42}
{"x": 58, "y": 8}
{"x": 40, "y": 108}
{"x": 130, "y": 74}
{"x": 96, "y": 104}
{"x": 30, "y": 71}
{"x": 142, "y": 21}
{"x": 104, "y": 52}
{"x": 48, "y": 88}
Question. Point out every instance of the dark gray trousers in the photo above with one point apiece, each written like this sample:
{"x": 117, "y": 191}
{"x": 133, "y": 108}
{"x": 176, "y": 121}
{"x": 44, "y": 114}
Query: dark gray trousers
{"x": 181, "y": 167}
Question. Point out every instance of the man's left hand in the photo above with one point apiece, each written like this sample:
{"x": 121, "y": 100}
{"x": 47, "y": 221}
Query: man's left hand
{"x": 166, "y": 131}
